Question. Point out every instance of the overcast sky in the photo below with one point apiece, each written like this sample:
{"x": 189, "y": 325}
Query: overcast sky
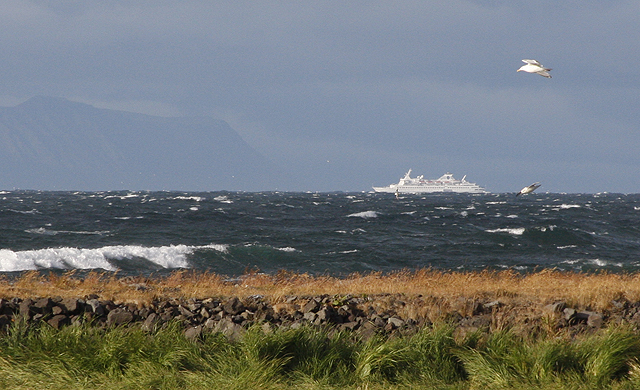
{"x": 349, "y": 94}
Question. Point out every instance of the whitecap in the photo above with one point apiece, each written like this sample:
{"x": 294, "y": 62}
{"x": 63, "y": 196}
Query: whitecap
{"x": 219, "y": 247}
{"x": 572, "y": 262}
{"x": 130, "y": 195}
{"x": 222, "y": 199}
{"x": 603, "y": 263}
{"x": 593, "y": 262}
{"x": 194, "y": 198}
{"x": 566, "y": 206}
{"x": 49, "y": 232}
{"x": 171, "y": 256}
{"x": 42, "y": 231}
{"x": 287, "y": 249}
{"x": 57, "y": 258}
{"x": 33, "y": 211}
{"x": 513, "y": 231}
{"x": 364, "y": 214}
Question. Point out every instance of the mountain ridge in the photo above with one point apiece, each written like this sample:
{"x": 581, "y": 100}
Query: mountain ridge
{"x": 51, "y": 143}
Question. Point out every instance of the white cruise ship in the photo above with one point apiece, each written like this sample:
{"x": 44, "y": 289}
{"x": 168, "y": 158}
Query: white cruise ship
{"x": 418, "y": 185}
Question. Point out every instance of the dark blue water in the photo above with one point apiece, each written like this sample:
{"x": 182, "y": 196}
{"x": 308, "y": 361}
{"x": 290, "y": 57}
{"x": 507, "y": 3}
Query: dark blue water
{"x": 326, "y": 233}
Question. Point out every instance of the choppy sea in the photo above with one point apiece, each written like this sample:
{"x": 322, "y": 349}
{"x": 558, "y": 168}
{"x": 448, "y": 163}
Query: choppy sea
{"x": 231, "y": 233}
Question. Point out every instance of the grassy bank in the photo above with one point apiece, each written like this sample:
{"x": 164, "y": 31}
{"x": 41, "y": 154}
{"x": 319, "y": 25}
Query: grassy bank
{"x": 595, "y": 291}
{"x": 87, "y": 357}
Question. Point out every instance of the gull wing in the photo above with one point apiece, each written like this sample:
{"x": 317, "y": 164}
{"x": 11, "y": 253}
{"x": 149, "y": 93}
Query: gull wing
{"x": 529, "y": 189}
{"x": 533, "y": 62}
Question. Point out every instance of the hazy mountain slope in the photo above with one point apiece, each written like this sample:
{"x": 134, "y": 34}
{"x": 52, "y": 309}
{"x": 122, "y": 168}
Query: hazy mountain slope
{"x": 54, "y": 144}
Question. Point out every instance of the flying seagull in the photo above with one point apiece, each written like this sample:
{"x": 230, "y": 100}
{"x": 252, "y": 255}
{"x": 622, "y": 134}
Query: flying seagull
{"x": 533, "y": 66}
{"x": 528, "y": 189}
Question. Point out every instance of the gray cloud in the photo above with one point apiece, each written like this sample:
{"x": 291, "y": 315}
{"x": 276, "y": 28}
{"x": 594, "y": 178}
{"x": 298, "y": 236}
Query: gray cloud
{"x": 373, "y": 87}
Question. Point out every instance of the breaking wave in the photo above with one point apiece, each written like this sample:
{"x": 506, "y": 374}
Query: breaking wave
{"x": 107, "y": 258}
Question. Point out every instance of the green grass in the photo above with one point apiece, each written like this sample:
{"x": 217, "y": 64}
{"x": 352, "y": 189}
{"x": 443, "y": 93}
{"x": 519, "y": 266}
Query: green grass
{"x": 88, "y": 357}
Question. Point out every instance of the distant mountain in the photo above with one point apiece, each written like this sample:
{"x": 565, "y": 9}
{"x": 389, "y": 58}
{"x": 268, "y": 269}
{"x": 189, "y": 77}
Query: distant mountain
{"x": 55, "y": 144}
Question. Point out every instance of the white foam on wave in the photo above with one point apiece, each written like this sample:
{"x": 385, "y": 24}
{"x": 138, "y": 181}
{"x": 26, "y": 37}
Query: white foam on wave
{"x": 194, "y": 198}
{"x": 222, "y": 199}
{"x": 219, "y": 247}
{"x": 566, "y": 206}
{"x": 596, "y": 262}
{"x": 59, "y": 258}
{"x": 172, "y": 256}
{"x": 33, "y": 211}
{"x": 129, "y": 195}
{"x": 516, "y": 267}
{"x": 50, "y": 232}
{"x": 604, "y": 263}
{"x": 287, "y": 249}
{"x": 513, "y": 231}
{"x": 364, "y": 214}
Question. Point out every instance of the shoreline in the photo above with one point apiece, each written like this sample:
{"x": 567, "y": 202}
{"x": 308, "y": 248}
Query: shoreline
{"x": 398, "y": 303}
{"x": 424, "y": 329}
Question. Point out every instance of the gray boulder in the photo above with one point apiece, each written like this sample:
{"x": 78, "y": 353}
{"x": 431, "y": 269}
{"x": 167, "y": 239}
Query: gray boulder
{"x": 233, "y": 306}
{"x": 119, "y": 317}
{"x": 59, "y": 321}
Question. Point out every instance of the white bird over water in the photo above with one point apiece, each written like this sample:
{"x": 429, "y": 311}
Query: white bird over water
{"x": 529, "y": 189}
{"x": 533, "y": 66}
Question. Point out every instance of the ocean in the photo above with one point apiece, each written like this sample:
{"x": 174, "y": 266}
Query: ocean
{"x": 232, "y": 233}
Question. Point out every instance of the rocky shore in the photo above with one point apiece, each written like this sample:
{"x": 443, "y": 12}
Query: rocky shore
{"x": 389, "y": 314}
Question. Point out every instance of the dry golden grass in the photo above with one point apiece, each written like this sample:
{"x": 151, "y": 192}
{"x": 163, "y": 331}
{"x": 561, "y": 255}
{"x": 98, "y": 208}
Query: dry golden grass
{"x": 439, "y": 288}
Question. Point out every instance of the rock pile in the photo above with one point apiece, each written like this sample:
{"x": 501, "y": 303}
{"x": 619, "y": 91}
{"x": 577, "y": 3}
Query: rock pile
{"x": 233, "y": 316}
{"x": 230, "y": 316}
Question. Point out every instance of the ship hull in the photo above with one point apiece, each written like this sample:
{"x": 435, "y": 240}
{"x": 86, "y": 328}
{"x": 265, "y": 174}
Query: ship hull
{"x": 445, "y": 184}
{"x": 427, "y": 190}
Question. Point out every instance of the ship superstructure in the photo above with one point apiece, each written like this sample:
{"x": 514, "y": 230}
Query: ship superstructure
{"x": 419, "y": 185}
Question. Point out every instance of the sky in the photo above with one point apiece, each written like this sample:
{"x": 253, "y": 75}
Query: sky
{"x": 346, "y": 95}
